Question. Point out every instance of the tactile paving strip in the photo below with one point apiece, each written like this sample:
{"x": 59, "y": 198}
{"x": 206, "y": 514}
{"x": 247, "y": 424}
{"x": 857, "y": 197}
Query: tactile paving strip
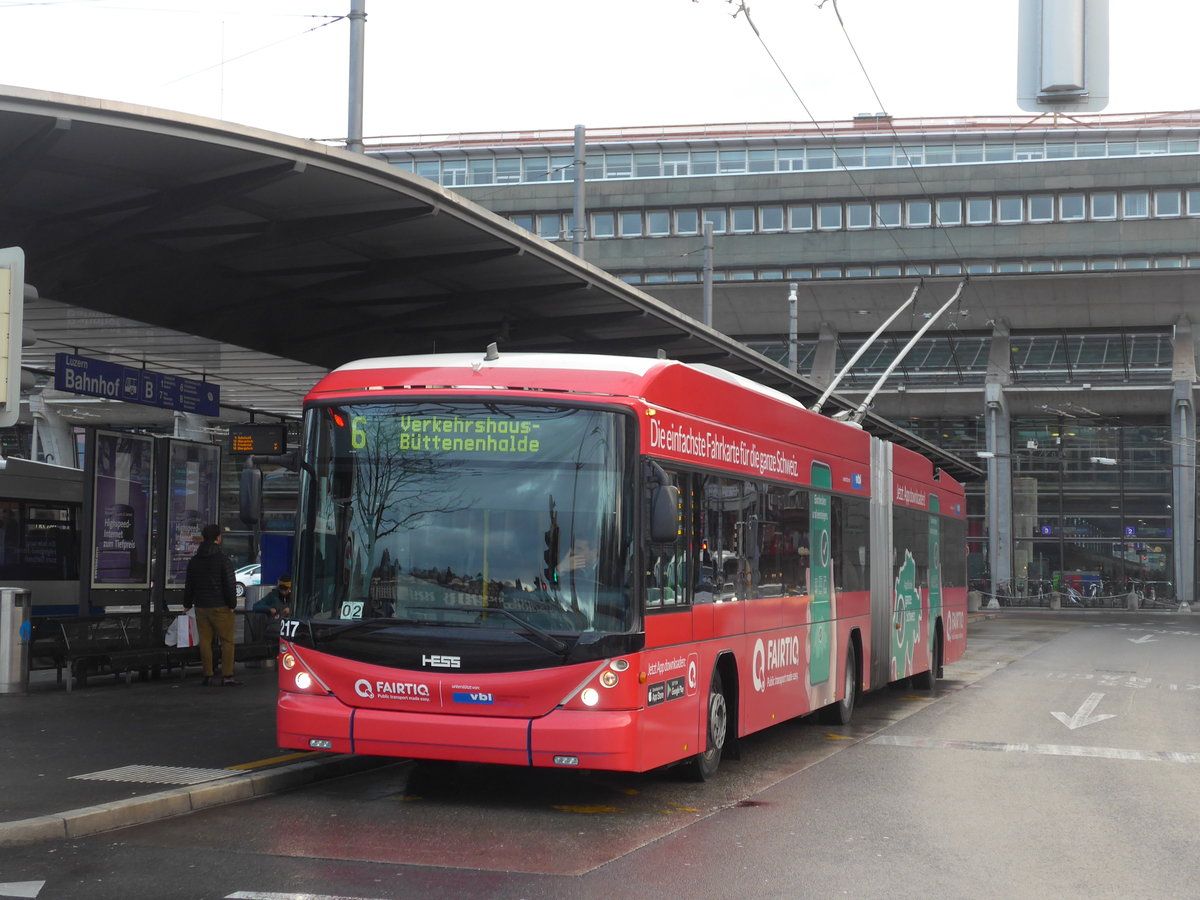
{"x": 158, "y": 775}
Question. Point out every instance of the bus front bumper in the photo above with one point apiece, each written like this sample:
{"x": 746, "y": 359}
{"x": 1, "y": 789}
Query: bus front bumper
{"x": 585, "y": 739}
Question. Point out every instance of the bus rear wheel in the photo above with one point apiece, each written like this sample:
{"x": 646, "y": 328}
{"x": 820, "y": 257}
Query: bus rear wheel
{"x": 703, "y": 765}
{"x": 927, "y": 681}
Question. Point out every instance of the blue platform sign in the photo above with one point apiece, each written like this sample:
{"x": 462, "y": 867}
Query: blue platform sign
{"x": 98, "y": 378}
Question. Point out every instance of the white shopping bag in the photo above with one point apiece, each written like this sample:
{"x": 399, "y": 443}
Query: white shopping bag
{"x": 183, "y": 632}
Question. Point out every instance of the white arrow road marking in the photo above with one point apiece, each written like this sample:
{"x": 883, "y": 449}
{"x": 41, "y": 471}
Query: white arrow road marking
{"x": 1083, "y": 716}
{"x": 21, "y": 888}
{"x": 1144, "y": 639}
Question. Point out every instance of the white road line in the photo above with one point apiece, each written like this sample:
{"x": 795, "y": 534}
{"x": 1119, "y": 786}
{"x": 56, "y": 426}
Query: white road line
{"x": 268, "y": 895}
{"x": 1042, "y": 749}
{"x": 1114, "y": 680}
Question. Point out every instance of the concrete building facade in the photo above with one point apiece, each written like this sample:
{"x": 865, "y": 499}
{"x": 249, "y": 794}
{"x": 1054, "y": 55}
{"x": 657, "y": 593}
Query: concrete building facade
{"x": 1067, "y": 361}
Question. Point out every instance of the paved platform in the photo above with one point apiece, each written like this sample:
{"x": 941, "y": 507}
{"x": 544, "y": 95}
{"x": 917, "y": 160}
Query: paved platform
{"x": 114, "y": 754}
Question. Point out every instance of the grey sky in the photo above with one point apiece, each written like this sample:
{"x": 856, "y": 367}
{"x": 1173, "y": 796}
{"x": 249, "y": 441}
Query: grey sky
{"x": 478, "y": 65}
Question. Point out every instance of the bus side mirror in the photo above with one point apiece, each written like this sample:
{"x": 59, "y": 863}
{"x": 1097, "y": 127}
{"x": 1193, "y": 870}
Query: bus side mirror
{"x": 664, "y": 514}
{"x": 342, "y": 480}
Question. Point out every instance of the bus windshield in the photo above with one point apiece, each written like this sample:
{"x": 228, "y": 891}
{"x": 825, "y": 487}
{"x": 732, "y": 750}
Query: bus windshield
{"x": 490, "y": 515}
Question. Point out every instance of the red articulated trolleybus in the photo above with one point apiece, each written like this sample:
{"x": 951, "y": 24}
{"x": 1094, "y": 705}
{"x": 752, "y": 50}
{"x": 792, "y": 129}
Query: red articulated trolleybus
{"x": 601, "y": 562}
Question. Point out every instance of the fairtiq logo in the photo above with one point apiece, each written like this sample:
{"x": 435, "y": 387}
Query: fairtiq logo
{"x": 392, "y": 690}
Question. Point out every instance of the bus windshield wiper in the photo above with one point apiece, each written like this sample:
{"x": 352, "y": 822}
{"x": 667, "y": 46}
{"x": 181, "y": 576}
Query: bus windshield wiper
{"x": 544, "y": 639}
{"x": 362, "y": 624}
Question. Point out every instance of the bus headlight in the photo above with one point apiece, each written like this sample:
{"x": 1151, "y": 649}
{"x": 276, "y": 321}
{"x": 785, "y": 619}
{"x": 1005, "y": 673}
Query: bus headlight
{"x": 295, "y": 674}
{"x": 590, "y": 696}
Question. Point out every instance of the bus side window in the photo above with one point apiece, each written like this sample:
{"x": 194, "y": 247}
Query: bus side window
{"x": 666, "y": 565}
{"x": 788, "y": 508}
{"x": 853, "y": 538}
{"x": 729, "y": 528}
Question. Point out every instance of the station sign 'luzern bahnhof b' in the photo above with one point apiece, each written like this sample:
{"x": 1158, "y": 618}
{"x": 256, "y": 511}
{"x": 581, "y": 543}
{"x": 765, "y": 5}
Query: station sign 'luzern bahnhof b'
{"x": 98, "y": 378}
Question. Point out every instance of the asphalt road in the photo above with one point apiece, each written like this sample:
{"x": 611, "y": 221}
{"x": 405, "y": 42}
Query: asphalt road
{"x": 1060, "y": 758}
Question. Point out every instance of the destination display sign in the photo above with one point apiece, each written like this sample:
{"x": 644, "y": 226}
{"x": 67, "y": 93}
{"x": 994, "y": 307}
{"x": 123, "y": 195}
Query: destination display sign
{"x": 99, "y": 378}
{"x": 466, "y": 432}
{"x": 268, "y": 440}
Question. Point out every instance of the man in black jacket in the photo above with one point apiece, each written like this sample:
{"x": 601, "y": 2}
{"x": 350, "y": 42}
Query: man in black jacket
{"x": 210, "y": 588}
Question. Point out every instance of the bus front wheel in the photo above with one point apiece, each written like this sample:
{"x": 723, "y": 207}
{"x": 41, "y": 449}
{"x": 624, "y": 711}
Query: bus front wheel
{"x": 704, "y": 765}
{"x": 842, "y": 711}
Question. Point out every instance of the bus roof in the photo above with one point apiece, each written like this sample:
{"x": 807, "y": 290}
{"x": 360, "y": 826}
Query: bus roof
{"x": 597, "y": 373}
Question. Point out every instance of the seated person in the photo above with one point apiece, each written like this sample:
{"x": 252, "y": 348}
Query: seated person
{"x": 279, "y": 601}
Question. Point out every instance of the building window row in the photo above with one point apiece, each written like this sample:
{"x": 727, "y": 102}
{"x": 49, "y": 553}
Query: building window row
{"x": 960, "y": 358}
{"x": 856, "y": 215}
{"x": 608, "y": 165}
{"x": 892, "y": 270}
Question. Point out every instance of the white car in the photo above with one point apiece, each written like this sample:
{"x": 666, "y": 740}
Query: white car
{"x": 246, "y": 576}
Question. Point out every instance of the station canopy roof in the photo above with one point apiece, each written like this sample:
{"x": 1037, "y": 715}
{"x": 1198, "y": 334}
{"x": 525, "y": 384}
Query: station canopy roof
{"x": 259, "y": 261}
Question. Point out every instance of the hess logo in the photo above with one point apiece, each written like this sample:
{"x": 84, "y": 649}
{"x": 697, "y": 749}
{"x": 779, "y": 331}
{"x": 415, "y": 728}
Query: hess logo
{"x": 443, "y": 662}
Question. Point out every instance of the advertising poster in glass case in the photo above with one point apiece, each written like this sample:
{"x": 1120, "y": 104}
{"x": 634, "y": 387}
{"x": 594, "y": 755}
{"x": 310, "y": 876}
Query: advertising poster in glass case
{"x": 194, "y": 480}
{"x": 121, "y": 492}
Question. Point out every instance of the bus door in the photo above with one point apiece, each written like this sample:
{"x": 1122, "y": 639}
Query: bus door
{"x": 877, "y": 673}
{"x": 820, "y": 543}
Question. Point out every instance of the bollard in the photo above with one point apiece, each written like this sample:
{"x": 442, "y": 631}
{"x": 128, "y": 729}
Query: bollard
{"x": 1131, "y": 600}
{"x": 974, "y": 601}
{"x": 15, "y": 605}
{"x": 1055, "y": 600}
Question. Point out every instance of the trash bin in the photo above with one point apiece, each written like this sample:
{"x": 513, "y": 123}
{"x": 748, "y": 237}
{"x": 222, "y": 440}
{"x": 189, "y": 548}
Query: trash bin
{"x": 15, "y": 630}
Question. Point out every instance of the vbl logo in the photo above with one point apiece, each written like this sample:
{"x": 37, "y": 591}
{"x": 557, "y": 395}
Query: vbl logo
{"x": 474, "y": 697}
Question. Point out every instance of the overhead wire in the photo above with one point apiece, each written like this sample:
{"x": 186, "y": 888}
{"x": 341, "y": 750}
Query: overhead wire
{"x": 928, "y": 194}
{"x": 330, "y": 20}
{"x": 743, "y": 9}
